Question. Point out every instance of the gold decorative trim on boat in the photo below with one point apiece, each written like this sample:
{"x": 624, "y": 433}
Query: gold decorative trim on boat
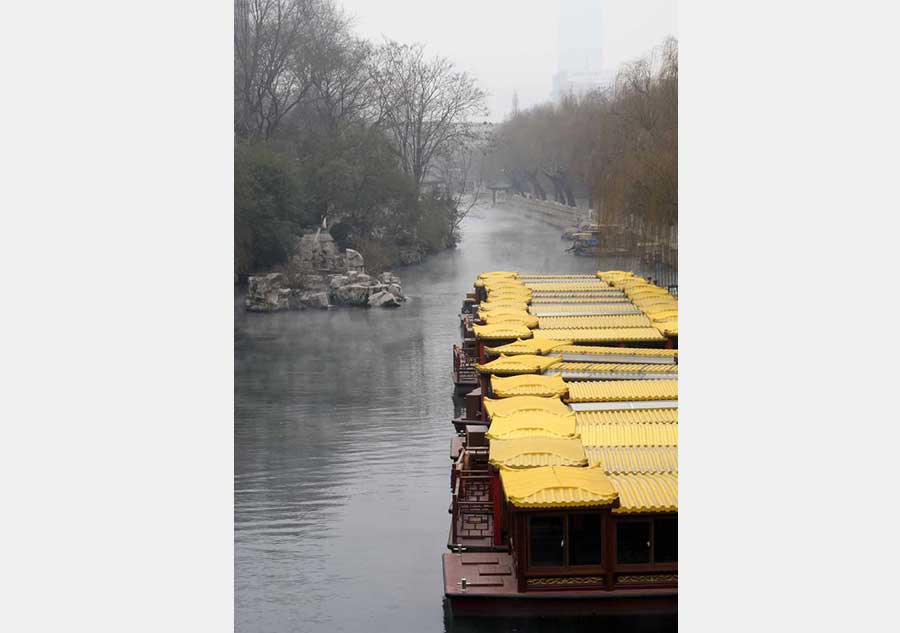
{"x": 564, "y": 581}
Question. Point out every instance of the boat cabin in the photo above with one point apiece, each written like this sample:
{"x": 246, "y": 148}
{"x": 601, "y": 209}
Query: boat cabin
{"x": 570, "y": 526}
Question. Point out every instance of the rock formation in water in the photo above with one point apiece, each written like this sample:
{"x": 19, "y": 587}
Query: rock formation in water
{"x": 319, "y": 276}
{"x": 317, "y": 252}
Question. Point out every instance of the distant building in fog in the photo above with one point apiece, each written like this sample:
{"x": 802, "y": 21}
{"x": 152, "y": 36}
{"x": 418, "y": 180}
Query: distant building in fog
{"x": 580, "y": 67}
{"x": 565, "y": 83}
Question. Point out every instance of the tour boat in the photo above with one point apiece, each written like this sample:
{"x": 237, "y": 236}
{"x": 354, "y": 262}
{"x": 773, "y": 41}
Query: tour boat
{"x": 465, "y": 377}
{"x": 564, "y": 473}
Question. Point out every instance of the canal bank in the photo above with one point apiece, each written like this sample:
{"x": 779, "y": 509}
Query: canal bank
{"x": 341, "y": 449}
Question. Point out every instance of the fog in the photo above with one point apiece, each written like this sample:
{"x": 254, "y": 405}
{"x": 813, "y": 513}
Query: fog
{"x": 513, "y": 45}
{"x": 361, "y": 157}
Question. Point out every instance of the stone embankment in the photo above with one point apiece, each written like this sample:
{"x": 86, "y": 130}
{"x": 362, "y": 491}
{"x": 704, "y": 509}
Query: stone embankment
{"x": 553, "y": 213}
{"x": 320, "y": 276}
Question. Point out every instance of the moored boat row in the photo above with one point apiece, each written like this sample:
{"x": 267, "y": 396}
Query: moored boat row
{"x": 564, "y": 468}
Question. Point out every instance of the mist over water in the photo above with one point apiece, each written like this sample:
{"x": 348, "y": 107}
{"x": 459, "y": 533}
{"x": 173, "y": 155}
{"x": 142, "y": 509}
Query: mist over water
{"x": 342, "y": 436}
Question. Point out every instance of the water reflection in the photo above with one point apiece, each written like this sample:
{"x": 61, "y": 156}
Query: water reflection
{"x": 342, "y": 432}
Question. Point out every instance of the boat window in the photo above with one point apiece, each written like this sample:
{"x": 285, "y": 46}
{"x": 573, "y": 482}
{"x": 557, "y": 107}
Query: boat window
{"x": 665, "y": 540}
{"x": 633, "y": 542}
{"x": 585, "y": 539}
{"x": 547, "y": 541}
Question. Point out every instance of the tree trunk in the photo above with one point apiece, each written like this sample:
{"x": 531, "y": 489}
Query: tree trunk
{"x": 516, "y": 181}
{"x": 557, "y": 187}
{"x": 535, "y": 184}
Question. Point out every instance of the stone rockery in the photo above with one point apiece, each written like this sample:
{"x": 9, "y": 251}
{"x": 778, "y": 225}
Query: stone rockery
{"x": 319, "y": 275}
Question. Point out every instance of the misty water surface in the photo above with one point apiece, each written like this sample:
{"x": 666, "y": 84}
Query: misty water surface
{"x": 342, "y": 433}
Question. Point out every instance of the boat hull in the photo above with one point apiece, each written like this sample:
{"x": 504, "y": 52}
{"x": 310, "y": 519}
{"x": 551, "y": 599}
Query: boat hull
{"x": 536, "y": 604}
{"x": 492, "y": 590}
{"x": 462, "y": 386}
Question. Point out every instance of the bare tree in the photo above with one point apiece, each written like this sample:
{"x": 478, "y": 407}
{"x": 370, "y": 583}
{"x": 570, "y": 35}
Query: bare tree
{"x": 279, "y": 45}
{"x": 532, "y": 176}
{"x": 423, "y": 105}
{"x": 339, "y": 73}
{"x": 465, "y": 161}
{"x": 266, "y": 36}
{"x": 328, "y": 124}
{"x": 618, "y": 147}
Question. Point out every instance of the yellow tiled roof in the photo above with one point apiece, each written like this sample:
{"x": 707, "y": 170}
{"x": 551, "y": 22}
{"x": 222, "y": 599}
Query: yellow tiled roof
{"x": 512, "y": 285}
{"x": 603, "y": 274}
{"x": 501, "y": 331}
{"x": 495, "y": 300}
{"x": 669, "y": 327}
{"x": 518, "y": 364}
{"x": 613, "y": 276}
{"x": 631, "y": 282}
{"x": 490, "y": 306}
{"x": 648, "y": 434}
{"x": 623, "y": 390}
{"x": 498, "y": 287}
{"x": 497, "y": 316}
{"x": 537, "y": 451}
{"x": 511, "y": 320}
{"x": 508, "y": 296}
{"x": 498, "y": 280}
{"x": 531, "y": 424}
{"x": 589, "y": 322}
{"x": 603, "y": 335}
{"x": 529, "y": 346}
{"x": 529, "y": 385}
{"x": 504, "y": 407}
{"x": 498, "y": 273}
{"x": 621, "y": 368}
{"x": 582, "y": 298}
{"x": 654, "y": 309}
{"x": 604, "y": 308}
{"x": 646, "y": 493}
{"x": 617, "y": 351}
{"x": 616, "y": 460}
{"x": 655, "y": 302}
{"x": 558, "y": 487}
{"x": 566, "y": 295}
{"x": 527, "y": 277}
{"x": 486, "y": 278}
{"x": 649, "y": 294}
{"x": 628, "y": 416}
{"x": 645, "y": 289}
{"x": 568, "y": 286}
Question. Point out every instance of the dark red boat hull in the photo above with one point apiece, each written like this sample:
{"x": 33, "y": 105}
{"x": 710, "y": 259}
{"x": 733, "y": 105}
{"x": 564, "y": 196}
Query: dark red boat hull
{"x": 534, "y": 604}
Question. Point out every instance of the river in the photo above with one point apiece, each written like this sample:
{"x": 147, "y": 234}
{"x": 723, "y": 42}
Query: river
{"x": 341, "y": 448}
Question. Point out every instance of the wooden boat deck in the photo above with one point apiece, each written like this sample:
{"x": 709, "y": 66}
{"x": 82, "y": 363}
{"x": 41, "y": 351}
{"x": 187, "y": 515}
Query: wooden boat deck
{"x": 489, "y": 573}
{"x": 491, "y": 589}
{"x": 463, "y": 425}
{"x": 456, "y": 446}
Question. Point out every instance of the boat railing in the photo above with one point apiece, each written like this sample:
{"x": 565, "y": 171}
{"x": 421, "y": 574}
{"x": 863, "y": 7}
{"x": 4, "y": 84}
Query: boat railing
{"x": 461, "y": 504}
{"x": 464, "y": 365}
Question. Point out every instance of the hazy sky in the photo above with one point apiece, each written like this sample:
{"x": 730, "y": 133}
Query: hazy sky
{"x": 511, "y": 44}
